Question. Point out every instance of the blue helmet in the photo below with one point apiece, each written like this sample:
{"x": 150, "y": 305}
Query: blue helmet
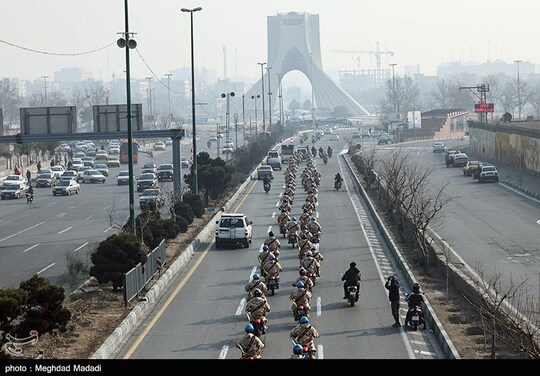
{"x": 256, "y": 276}
{"x": 300, "y": 285}
{"x": 294, "y": 219}
{"x": 313, "y": 218}
{"x": 297, "y": 349}
{"x": 271, "y": 257}
{"x": 265, "y": 248}
{"x": 303, "y": 320}
{"x": 249, "y": 328}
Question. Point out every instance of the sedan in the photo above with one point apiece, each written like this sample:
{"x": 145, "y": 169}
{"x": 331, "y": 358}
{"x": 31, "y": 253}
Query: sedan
{"x": 57, "y": 171}
{"x": 66, "y": 188}
{"x": 149, "y": 197}
{"x": 45, "y": 180}
{"x": 122, "y": 178}
{"x": 150, "y": 167}
{"x": 12, "y": 179}
{"x": 69, "y": 174}
{"x": 438, "y": 147}
{"x": 265, "y": 170}
{"x": 113, "y": 162}
{"x": 102, "y": 167}
{"x": 14, "y": 190}
{"x": 471, "y": 167}
{"x": 145, "y": 181}
{"x": 159, "y": 146}
{"x": 165, "y": 171}
{"x": 93, "y": 176}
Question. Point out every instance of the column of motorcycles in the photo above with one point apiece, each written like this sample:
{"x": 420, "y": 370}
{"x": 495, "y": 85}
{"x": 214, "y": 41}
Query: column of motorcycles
{"x": 303, "y": 235}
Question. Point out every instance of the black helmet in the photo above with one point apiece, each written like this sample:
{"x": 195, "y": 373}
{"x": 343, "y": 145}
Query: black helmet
{"x": 302, "y": 271}
{"x": 271, "y": 233}
{"x": 257, "y": 292}
{"x": 416, "y": 288}
{"x": 352, "y": 264}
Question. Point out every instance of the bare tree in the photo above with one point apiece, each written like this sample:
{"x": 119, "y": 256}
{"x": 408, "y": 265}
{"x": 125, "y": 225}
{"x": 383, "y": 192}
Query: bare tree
{"x": 406, "y": 95}
{"x": 502, "y": 307}
{"x": 10, "y": 102}
{"x": 534, "y": 99}
{"x": 441, "y": 95}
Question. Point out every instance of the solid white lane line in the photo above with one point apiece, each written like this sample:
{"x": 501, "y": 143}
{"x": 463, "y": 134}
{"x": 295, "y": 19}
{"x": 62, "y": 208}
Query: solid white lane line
{"x": 277, "y": 204}
{"x": 108, "y": 229}
{"x": 269, "y": 229}
{"x": 320, "y": 352}
{"x": 253, "y": 271}
{"x": 274, "y": 215}
{"x": 319, "y": 306}
{"x": 20, "y": 232}
{"x": 86, "y": 219}
{"x": 240, "y": 307}
{"x": 29, "y": 248}
{"x": 42, "y": 270}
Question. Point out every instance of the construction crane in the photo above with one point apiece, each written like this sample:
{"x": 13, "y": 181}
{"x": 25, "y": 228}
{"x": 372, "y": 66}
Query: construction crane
{"x": 377, "y": 53}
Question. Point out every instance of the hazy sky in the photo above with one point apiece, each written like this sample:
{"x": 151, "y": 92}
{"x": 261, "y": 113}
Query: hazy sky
{"x": 419, "y": 32}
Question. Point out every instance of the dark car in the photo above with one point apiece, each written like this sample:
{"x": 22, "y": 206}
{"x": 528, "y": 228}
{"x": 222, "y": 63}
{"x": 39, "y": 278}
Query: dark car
{"x": 151, "y": 199}
{"x": 146, "y": 181}
{"x": 384, "y": 140}
{"x": 165, "y": 172}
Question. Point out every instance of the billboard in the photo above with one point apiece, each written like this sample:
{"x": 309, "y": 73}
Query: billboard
{"x": 414, "y": 119}
{"x": 113, "y": 118}
{"x": 484, "y": 107}
{"x": 48, "y": 120}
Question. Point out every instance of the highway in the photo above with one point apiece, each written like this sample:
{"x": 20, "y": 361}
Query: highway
{"x": 201, "y": 315}
{"x": 36, "y": 238}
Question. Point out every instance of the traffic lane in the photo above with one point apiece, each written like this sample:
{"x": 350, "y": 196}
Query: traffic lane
{"x": 491, "y": 228}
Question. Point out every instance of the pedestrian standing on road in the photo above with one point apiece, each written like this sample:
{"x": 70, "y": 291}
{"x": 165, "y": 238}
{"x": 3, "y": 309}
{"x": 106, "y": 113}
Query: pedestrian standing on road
{"x": 38, "y": 167}
{"x": 28, "y": 176}
{"x": 392, "y": 285}
{"x": 17, "y": 171}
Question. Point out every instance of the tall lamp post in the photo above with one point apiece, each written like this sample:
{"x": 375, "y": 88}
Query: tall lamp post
{"x": 194, "y": 165}
{"x": 168, "y": 75}
{"x": 128, "y": 43}
{"x": 45, "y": 81}
{"x": 394, "y": 91}
{"x": 244, "y": 119}
{"x": 280, "y": 97}
{"x": 149, "y": 91}
{"x": 518, "y": 89}
{"x": 256, "y": 118}
{"x": 262, "y": 94}
{"x": 269, "y": 100}
{"x": 227, "y": 115}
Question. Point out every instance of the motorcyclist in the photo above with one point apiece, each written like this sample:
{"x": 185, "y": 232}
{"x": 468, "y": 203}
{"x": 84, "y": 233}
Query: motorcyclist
{"x": 414, "y": 299}
{"x": 292, "y": 227}
{"x": 309, "y": 263}
{"x": 321, "y": 151}
{"x": 314, "y": 227}
{"x": 257, "y": 307}
{"x": 329, "y": 151}
{"x": 250, "y": 344}
{"x": 30, "y": 190}
{"x": 338, "y": 178}
{"x": 308, "y": 205}
{"x": 304, "y": 334}
{"x": 351, "y": 278}
{"x": 282, "y": 220}
{"x": 272, "y": 242}
{"x": 308, "y": 283}
{"x": 304, "y": 217}
{"x": 255, "y": 283}
{"x": 264, "y": 256}
{"x": 304, "y": 245}
{"x": 298, "y": 352}
{"x": 300, "y": 296}
{"x": 267, "y": 179}
{"x": 271, "y": 267}
{"x": 318, "y": 257}
{"x": 285, "y": 204}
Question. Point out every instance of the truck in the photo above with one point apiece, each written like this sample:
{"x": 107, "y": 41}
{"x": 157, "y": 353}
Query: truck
{"x": 287, "y": 152}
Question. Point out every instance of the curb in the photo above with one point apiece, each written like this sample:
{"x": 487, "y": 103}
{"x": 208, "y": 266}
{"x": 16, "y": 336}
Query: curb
{"x": 152, "y": 296}
{"x": 528, "y": 191}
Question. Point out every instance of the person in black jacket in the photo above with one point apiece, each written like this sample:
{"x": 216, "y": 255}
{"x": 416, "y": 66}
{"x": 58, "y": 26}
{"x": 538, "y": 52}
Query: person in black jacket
{"x": 392, "y": 285}
{"x": 351, "y": 278}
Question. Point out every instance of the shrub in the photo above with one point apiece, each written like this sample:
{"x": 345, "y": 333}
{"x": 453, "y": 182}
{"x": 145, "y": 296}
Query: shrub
{"x": 182, "y": 224}
{"x": 196, "y": 203}
{"x": 184, "y": 210}
{"x": 171, "y": 228}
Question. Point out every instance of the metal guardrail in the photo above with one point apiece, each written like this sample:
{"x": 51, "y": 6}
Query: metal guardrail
{"x": 138, "y": 277}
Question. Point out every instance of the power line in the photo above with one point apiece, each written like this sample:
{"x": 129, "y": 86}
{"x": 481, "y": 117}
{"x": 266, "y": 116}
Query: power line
{"x": 55, "y": 53}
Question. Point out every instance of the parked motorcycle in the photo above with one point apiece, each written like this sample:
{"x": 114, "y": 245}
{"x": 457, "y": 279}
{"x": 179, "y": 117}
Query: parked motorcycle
{"x": 273, "y": 283}
{"x": 416, "y": 318}
{"x": 337, "y": 185}
{"x": 29, "y": 198}
{"x": 267, "y": 187}
{"x": 351, "y": 295}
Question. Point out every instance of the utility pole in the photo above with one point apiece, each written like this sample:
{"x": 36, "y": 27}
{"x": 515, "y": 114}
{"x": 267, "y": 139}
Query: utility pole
{"x": 262, "y": 95}
{"x": 168, "y": 75}
{"x": 269, "y": 100}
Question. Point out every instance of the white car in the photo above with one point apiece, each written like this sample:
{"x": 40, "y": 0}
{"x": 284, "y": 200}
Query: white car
{"x": 12, "y": 179}
{"x": 438, "y": 147}
{"x": 122, "y": 178}
{"x": 14, "y": 190}
{"x": 68, "y": 175}
{"x": 66, "y": 188}
{"x": 57, "y": 171}
{"x": 93, "y": 176}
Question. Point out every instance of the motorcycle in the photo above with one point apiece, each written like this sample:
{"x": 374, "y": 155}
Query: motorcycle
{"x": 29, "y": 198}
{"x": 283, "y": 230}
{"x": 292, "y": 239}
{"x": 273, "y": 283}
{"x": 416, "y": 318}
{"x": 307, "y": 352}
{"x": 258, "y": 326}
{"x": 300, "y": 311}
{"x": 329, "y": 153}
{"x": 337, "y": 185}
{"x": 351, "y": 295}
{"x": 313, "y": 277}
{"x": 245, "y": 355}
{"x": 267, "y": 187}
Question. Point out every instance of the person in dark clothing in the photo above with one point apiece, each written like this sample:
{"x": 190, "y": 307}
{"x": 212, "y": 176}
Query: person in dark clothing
{"x": 39, "y": 167}
{"x": 28, "y": 176}
{"x": 351, "y": 278}
{"x": 414, "y": 299}
{"x": 392, "y": 285}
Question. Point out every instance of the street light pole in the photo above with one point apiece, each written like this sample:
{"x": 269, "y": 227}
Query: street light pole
{"x": 128, "y": 43}
{"x": 227, "y": 117}
{"x": 280, "y": 99}
{"x": 518, "y": 89}
{"x": 269, "y": 100}
{"x": 262, "y": 94}
{"x": 45, "y": 80}
{"x": 256, "y": 117}
{"x": 169, "y": 94}
{"x": 149, "y": 91}
{"x": 244, "y": 120}
{"x": 194, "y": 165}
